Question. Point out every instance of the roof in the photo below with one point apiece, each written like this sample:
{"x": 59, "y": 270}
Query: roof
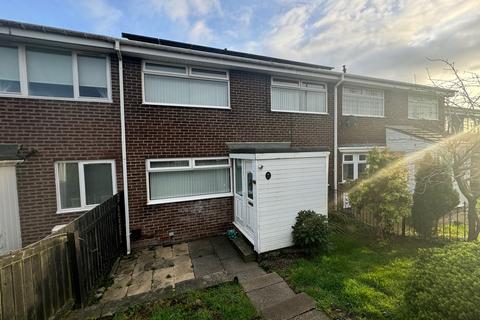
{"x": 225, "y": 51}
{"x": 420, "y": 133}
{"x": 47, "y": 29}
{"x": 9, "y": 152}
{"x": 10, "y": 28}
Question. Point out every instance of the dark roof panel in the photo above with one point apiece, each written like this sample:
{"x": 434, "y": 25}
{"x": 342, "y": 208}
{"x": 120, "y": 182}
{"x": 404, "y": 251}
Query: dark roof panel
{"x": 195, "y": 47}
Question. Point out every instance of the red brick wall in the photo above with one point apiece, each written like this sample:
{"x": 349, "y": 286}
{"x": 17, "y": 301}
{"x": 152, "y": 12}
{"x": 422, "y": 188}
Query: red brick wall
{"x": 162, "y": 132}
{"x": 57, "y": 130}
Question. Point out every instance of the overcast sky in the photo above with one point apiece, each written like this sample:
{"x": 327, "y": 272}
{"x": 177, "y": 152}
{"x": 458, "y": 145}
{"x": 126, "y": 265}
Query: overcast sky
{"x": 389, "y": 39}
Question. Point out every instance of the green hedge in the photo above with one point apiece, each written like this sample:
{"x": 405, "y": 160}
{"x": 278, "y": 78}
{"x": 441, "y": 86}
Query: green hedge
{"x": 445, "y": 283}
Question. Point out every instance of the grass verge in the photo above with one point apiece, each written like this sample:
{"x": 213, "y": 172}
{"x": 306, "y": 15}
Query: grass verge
{"x": 226, "y": 301}
{"x": 363, "y": 278}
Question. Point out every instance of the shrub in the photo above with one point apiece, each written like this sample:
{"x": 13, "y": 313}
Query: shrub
{"x": 310, "y": 232}
{"x": 445, "y": 283}
{"x": 383, "y": 190}
{"x": 434, "y": 194}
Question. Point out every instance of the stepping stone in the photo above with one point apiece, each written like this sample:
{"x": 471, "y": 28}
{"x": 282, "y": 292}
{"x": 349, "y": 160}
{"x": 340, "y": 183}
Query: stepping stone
{"x": 312, "y": 315}
{"x": 139, "y": 287}
{"x": 261, "y": 282}
{"x": 248, "y": 274}
{"x": 114, "y": 294}
{"x": 205, "y": 265}
{"x": 144, "y": 276}
{"x": 164, "y": 252}
{"x": 271, "y": 295}
{"x": 235, "y": 265}
{"x": 289, "y": 308}
{"x": 223, "y": 248}
{"x": 180, "y": 249}
{"x": 163, "y": 278}
{"x": 200, "y": 248}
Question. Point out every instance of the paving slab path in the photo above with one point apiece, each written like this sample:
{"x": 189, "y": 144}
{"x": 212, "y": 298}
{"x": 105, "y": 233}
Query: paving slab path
{"x": 274, "y": 300}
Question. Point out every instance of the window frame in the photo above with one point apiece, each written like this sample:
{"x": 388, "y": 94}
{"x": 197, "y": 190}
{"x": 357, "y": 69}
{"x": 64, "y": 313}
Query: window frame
{"x": 81, "y": 177}
{"x": 298, "y": 87}
{"x": 416, "y": 96}
{"x": 191, "y": 167}
{"x": 356, "y": 161}
{"x": 22, "y": 66}
{"x": 187, "y": 75}
{"x": 361, "y": 95}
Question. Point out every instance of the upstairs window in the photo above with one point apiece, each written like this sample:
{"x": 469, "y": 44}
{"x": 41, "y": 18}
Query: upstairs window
{"x": 289, "y": 95}
{"x": 9, "y": 73}
{"x": 53, "y": 73}
{"x": 364, "y": 102}
{"x": 354, "y": 165}
{"x": 185, "y": 86}
{"x": 173, "y": 180}
{"x": 92, "y": 77}
{"x": 422, "y": 107}
{"x": 49, "y": 73}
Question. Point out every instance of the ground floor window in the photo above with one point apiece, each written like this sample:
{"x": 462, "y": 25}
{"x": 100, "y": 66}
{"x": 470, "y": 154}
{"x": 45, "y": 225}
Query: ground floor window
{"x": 354, "y": 164}
{"x": 174, "y": 180}
{"x": 81, "y": 185}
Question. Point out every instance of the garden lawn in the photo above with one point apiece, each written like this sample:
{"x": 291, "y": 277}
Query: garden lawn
{"x": 227, "y": 301}
{"x": 363, "y": 278}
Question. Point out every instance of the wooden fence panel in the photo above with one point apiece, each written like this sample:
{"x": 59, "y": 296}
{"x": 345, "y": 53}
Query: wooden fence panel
{"x": 52, "y": 274}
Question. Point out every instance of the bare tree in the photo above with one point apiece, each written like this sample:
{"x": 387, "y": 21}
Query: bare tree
{"x": 462, "y": 150}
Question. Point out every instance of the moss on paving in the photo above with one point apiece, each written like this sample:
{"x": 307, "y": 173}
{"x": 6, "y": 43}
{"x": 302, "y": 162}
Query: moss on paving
{"x": 226, "y": 301}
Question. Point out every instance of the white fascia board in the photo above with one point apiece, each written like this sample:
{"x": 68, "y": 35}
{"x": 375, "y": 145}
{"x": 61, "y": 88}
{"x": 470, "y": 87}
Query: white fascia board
{"x": 383, "y": 83}
{"x": 359, "y": 149}
{"x": 52, "y": 37}
{"x": 279, "y": 155}
{"x": 212, "y": 59}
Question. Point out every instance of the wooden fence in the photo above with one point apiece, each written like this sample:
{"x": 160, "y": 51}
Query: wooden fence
{"x": 53, "y": 274}
{"x": 452, "y": 226}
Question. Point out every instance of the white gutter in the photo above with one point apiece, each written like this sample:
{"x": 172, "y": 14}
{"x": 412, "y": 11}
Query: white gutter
{"x": 335, "y": 139}
{"x": 124, "y": 145}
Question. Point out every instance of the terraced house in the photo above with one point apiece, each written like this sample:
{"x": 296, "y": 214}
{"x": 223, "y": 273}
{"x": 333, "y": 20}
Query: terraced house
{"x": 200, "y": 140}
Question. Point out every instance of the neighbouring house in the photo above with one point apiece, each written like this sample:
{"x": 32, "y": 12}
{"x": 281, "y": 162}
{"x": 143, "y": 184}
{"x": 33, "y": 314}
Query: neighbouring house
{"x": 200, "y": 139}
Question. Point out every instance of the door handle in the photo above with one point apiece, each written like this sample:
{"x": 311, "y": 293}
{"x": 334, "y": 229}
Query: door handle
{"x": 250, "y": 203}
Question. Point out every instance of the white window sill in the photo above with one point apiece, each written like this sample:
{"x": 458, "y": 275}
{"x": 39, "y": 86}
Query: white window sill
{"x": 362, "y": 116}
{"x": 76, "y": 210}
{"x": 183, "y": 105}
{"x": 424, "y": 119}
{"x": 193, "y": 198}
{"x": 301, "y": 112}
{"x": 83, "y": 99}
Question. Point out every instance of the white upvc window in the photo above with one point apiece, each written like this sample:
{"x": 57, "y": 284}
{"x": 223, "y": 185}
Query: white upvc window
{"x": 354, "y": 164}
{"x": 298, "y": 96}
{"x": 422, "y": 107}
{"x": 58, "y": 74}
{"x": 363, "y": 102}
{"x": 185, "y": 86}
{"x": 186, "y": 179}
{"x": 81, "y": 185}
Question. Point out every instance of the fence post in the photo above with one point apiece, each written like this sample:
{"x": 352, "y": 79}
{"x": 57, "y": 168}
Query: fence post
{"x": 75, "y": 272}
{"x": 121, "y": 211}
{"x": 404, "y": 224}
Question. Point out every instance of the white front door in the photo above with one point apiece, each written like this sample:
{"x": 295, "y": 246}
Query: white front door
{"x": 251, "y": 194}
{"x": 245, "y": 197}
{"x": 10, "y": 236}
